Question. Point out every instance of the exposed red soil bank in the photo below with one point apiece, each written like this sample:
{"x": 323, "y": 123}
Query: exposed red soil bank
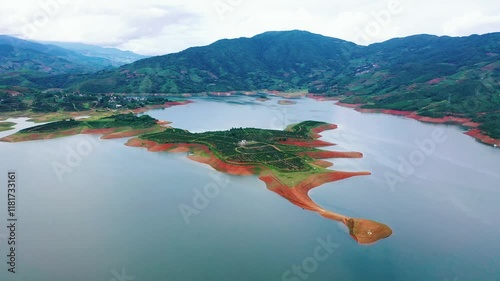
{"x": 323, "y": 164}
{"x": 475, "y": 133}
{"x": 163, "y": 123}
{"x": 313, "y": 143}
{"x": 316, "y": 131}
{"x": 413, "y": 115}
{"x": 332, "y": 154}
{"x": 362, "y": 230}
{"x": 466, "y": 122}
{"x": 201, "y": 154}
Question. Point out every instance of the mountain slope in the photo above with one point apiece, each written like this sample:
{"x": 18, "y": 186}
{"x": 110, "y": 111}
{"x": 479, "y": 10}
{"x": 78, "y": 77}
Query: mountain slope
{"x": 435, "y": 76}
{"x": 115, "y": 56}
{"x": 22, "y": 55}
{"x": 302, "y": 60}
{"x": 273, "y": 60}
{"x": 426, "y": 73}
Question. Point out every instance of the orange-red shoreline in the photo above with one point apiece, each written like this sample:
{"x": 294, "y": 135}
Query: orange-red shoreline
{"x": 362, "y": 230}
{"x": 314, "y": 143}
{"x": 477, "y": 134}
{"x": 466, "y": 122}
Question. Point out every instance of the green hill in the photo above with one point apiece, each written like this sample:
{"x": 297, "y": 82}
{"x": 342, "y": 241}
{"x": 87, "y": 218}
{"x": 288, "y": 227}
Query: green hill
{"x": 30, "y": 64}
{"x": 433, "y": 75}
{"x": 116, "y": 57}
{"x": 273, "y": 60}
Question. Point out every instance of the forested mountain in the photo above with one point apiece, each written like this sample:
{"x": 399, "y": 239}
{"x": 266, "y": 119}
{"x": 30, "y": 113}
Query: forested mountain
{"x": 22, "y": 55}
{"x": 273, "y": 60}
{"x": 433, "y": 75}
{"x": 115, "y": 56}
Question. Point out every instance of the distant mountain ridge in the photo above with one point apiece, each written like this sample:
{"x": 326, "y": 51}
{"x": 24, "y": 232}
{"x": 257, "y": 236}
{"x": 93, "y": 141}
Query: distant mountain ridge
{"x": 298, "y": 60}
{"x": 237, "y": 64}
{"x": 435, "y": 76}
{"x": 115, "y": 56}
{"x": 22, "y": 55}
{"x": 37, "y": 65}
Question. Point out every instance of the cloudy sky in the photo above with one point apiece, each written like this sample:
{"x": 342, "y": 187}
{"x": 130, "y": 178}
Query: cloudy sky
{"x": 154, "y": 27}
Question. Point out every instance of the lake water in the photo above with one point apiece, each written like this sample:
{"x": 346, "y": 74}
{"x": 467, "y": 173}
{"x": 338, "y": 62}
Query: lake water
{"x": 113, "y": 214}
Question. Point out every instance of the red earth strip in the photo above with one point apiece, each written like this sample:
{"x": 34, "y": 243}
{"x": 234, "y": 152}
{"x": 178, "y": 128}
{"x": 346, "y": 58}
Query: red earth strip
{"x": 466, "y": 122}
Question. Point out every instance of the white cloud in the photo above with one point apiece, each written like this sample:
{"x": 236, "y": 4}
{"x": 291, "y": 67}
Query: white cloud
{"x": 472, "y": 22}
{"x": 158, "y": 27}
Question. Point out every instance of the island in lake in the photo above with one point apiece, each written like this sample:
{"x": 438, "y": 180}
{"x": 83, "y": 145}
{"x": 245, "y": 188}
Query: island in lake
{"x": 288, "y": 161}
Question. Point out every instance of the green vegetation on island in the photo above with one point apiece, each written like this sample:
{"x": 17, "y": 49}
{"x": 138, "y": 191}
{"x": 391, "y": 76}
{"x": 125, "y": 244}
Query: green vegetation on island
{"x": 287, "y": 161}
{"x": 5, "y": 126}
{"x": 251, "y": 146}
{"x": 275, "y": 149}
{"x": 130, "y": 121}
{"x": 119, "y": 125}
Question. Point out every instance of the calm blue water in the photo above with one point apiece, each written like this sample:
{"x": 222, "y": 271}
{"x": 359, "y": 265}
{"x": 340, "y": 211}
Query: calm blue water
{"x": 116, "y": 210}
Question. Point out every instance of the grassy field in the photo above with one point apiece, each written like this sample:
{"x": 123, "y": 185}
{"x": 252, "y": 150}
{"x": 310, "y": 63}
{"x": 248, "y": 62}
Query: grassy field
{"x": 5, "y": 126}
{"x": 126, "y": 124}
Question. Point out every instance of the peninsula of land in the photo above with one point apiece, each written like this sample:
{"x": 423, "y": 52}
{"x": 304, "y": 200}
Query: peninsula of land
{"x": 288, "y": 161}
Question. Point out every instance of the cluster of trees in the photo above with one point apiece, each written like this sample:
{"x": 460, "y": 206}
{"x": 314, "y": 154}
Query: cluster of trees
{"x": 115, "y": 121}
{"x": 53, "y": 127}
{"x": 10, "y": 103}
{"x": 122, "y": 120}
{"x": 262, "y": 150}
{"x": 490, "y": 124}
{"x": 60, "y": 101}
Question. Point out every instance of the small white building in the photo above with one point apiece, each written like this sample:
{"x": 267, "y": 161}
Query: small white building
{"x": 242, "y": 143}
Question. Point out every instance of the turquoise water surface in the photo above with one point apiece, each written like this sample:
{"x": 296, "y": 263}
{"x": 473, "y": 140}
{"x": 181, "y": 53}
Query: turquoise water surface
{"x": 114, "y": 214}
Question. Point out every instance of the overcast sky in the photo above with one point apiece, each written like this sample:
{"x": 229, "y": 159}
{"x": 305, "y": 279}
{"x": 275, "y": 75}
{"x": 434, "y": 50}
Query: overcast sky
{"x": 154, "y": 27}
